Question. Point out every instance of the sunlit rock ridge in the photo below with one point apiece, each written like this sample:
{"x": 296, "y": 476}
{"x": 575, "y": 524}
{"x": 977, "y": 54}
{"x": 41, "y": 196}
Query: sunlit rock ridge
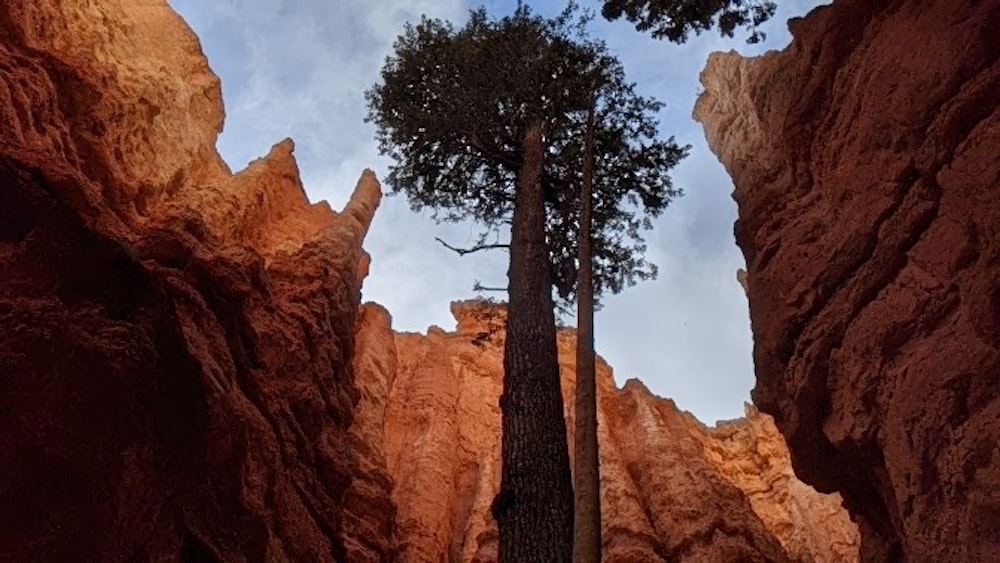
{"x": 865, "y": 162}
{"x": 186, "y": 373}
{"x": 672, "y": 488}
{"x": 175, "y": 340}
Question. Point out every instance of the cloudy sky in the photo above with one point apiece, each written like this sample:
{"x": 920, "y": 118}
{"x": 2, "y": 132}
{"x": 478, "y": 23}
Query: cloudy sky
{"x": 299, "y": 68}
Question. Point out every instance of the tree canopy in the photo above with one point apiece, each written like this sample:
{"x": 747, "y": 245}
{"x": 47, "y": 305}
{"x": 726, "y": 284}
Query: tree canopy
{"x": 675, "y": 19}
{"x": 454, "y": 104}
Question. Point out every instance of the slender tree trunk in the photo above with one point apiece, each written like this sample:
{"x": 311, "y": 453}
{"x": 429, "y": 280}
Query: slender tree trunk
{"x": 534, "y": 508}
{"x": 586, "y": 474}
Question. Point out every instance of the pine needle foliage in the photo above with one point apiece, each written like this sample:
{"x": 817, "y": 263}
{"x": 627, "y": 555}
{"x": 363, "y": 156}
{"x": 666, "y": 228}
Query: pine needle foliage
{"x": 676, "y": 19}
{"x": 454, "y": 103}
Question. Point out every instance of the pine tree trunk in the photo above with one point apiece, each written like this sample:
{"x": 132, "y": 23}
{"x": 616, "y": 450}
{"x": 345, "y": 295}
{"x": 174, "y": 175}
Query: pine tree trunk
{"x": 586, "y": 474}
{"x": 534, "y": 508}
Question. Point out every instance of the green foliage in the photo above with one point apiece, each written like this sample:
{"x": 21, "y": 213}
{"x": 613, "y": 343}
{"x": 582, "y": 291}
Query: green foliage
{"x": 675, "y": 19}
{"x": 453, "y": 106}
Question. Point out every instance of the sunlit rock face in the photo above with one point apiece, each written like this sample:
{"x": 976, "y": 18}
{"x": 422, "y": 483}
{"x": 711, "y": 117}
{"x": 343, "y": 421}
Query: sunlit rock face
{"x": 866, "y": 170}
{"x": 175, "y": 340}
{"x": 672, "y": 488}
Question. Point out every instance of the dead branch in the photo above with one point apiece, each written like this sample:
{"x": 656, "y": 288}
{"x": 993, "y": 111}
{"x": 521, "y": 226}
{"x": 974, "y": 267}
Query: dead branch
{"x": 480, "y": 287}
{"x": 464, "y": 251}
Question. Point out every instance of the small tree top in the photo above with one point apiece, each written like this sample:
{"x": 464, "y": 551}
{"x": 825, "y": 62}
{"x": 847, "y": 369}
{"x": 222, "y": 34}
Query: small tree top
{"x": 452, "y": 108}
{"x": 675, "y": 19}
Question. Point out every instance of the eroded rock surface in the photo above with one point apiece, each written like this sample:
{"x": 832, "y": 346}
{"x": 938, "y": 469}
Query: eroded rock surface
{"x": 866, "y": 171}
{"x": 175, "y": 341}
{"x": 672, "y": 488}
{"x": 751, "y": 454}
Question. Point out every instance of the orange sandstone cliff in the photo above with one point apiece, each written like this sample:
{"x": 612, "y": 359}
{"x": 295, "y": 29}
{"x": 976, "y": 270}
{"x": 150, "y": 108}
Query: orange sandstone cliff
{"x": 673, "y": 489}
{"x": 865, "y": 158}
{"x": 175, "y": 340}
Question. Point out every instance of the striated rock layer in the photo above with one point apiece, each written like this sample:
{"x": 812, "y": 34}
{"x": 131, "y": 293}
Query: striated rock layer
{"x": 866, "y": 171}
{"x": 175, "y": 341}
{"x": 672, "y": 489}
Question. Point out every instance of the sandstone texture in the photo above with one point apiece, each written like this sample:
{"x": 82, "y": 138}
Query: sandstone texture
{"x": 673, "y": 489}
{"x": 865, "y": 158}
{"x": 175, "y": 341}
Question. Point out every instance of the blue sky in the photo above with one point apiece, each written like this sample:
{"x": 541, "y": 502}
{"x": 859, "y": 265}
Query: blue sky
{"x": 299, "y": 68}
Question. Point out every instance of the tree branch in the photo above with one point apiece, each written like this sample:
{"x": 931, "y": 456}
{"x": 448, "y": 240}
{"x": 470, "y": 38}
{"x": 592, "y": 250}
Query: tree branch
{"x": 480, "y": 287}
{"x": 464, "y": 251}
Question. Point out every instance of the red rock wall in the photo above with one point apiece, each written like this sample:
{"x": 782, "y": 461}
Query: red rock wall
{"x": 175, "y": 341}
{"x": 865, "y": 158}
{"x": 672, "y": 488}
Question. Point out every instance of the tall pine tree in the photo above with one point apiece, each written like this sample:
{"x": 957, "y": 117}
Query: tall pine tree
{"x": 487, "y": 122}
{"x": 586, "y": 470}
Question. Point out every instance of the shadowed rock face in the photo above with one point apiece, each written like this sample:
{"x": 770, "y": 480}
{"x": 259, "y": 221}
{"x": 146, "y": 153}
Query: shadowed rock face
{"x": 175, "y": 341}
{"x": 672, "y": 488}
{"x": 865, "y": 162}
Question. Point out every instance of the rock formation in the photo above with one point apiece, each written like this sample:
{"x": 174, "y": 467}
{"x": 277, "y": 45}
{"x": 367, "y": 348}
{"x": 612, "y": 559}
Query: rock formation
{"x": 185, "y": 374}
{"x": 672, "y": 488}
{"x": 175, "y": 341}
{"x": 865, "y": 162}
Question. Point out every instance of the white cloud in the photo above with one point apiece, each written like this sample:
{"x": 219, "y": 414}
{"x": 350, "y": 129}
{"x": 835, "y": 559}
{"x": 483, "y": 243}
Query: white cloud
{"x": 298, "y": 68}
